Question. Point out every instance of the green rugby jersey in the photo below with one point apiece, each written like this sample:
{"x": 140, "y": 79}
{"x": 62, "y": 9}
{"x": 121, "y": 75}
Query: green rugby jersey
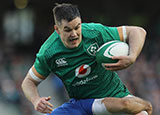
{"x": 82, "y": 76}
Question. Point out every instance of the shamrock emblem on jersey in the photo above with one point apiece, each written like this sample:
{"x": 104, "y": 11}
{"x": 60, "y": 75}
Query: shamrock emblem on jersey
{"x": 82, "y": 71}
{"x": 92, "y": 49}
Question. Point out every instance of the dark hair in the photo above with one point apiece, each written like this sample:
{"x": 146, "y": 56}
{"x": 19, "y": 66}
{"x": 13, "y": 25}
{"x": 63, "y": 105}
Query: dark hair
{"x": 65, "y": 11}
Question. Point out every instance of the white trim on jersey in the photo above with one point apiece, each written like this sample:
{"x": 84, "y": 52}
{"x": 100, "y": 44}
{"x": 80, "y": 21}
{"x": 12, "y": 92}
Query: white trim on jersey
{"x": 31, "y": 73}
{"x": 124, "y": 33}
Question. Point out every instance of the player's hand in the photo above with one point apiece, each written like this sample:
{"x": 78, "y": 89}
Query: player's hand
{"x": 43, "y": 105}
{"x": 149, "y": 109}
{"x": 123, "y": 62}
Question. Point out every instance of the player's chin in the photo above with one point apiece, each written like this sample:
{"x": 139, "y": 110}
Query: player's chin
{"x": 74, "y": 45}
{"x": 71, "y": 46}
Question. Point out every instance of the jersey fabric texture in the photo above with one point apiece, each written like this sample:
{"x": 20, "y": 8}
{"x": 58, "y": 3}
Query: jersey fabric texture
{"x": 82, "y": 76}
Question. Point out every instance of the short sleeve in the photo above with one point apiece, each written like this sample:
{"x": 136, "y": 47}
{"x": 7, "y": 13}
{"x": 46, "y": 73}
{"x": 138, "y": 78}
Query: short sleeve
{"x": 41, "y": 65}
{"x": 108, "y": 33}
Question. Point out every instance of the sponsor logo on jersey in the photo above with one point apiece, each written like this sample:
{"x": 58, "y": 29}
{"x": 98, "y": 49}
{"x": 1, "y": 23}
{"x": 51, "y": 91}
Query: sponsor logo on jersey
{"x": 83, "y": 82}
{"x": 92, "y": 49}
{"x": 82, "y": 71}
{"x": 61, "y": 62}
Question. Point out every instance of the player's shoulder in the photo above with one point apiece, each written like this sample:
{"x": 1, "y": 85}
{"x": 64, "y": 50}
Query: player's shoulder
{"x": 91, "y": 29}
{"x": 51, "y": 41}
{"x": 92, "y": 26}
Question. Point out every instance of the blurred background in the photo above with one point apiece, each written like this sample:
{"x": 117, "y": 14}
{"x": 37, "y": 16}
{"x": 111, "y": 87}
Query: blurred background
{"x": 26, "y": 24}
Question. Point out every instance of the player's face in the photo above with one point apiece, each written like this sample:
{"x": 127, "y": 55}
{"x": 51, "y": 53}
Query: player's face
{"x": 70, "y": 32}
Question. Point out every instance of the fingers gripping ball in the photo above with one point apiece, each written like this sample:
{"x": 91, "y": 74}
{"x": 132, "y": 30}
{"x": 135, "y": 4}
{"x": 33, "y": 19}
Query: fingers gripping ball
{"x": 113, "y": 48}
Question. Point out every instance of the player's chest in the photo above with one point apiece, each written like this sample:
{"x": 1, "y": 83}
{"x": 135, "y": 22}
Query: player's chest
{"x": 68, "y": 61}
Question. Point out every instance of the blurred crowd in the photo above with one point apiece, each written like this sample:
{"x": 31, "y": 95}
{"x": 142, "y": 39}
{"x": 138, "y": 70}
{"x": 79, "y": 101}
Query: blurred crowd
{"x": 13, "y": 68}
{"x": 19, "y": 44}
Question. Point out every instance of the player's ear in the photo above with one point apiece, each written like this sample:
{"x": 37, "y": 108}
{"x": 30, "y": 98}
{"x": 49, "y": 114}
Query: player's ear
{"x": 56, "y": 29}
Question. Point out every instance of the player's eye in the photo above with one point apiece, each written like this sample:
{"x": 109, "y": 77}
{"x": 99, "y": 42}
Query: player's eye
{"x": 77, "y": 27}
{"x": 68, "y": 30}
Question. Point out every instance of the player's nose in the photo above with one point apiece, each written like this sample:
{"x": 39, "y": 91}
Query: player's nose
{"x": 73, "y": 33}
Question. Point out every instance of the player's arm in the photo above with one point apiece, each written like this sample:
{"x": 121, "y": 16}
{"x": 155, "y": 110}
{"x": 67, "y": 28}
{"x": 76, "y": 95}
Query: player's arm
{"x": 29, "y": 87}
{"x": 130, "y": 105}
{"x": 135, "y": 37}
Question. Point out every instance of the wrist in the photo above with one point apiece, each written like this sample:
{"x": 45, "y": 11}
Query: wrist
{"x": 34, "y": 100}
{"x": 133, "y": 58}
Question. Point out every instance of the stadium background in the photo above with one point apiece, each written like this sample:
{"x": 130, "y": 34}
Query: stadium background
{"x": 26, "y": 24}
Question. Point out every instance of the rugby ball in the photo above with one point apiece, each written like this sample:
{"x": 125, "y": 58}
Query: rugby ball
{"x": 109, "y": 49}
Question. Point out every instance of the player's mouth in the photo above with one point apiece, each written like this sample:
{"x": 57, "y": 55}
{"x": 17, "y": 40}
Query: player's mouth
{"x": 73, "y": 39}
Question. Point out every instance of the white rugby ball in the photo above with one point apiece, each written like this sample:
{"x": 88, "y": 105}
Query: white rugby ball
{"x": 109, "y": 49}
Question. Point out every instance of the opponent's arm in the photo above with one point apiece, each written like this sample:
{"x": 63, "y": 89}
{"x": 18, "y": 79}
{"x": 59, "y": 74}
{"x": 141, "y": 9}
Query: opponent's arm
{"x": 29, "y": 87}
{"x": 130, "y": 105}
{"x": 135, "y": 37}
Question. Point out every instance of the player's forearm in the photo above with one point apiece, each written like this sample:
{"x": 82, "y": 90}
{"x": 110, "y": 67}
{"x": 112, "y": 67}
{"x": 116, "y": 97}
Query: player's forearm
{"x": 131, "y": 105}
{"x": 144, "y": 104}
{"x": 136, "y": 38}
{"x": 135, "y": 105}
{"x": 30, "y": 89}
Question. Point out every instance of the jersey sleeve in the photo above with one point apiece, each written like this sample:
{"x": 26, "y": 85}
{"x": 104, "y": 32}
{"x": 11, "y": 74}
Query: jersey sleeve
{"x": 108, "y": 33}
{"x": 41, "y": 65}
